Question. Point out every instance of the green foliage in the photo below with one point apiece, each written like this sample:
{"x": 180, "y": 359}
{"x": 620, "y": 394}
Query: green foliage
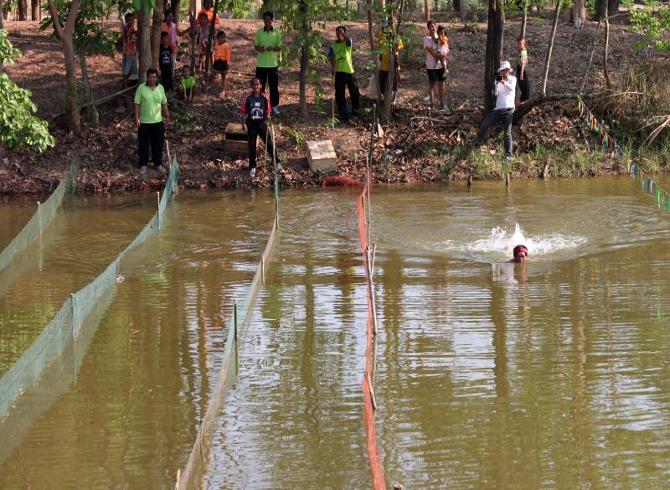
{"x": 89, "y": 34}
{"x": 18, "y": 124}
{"x": 653, "y": 23}
{"x": 295, "y": 134}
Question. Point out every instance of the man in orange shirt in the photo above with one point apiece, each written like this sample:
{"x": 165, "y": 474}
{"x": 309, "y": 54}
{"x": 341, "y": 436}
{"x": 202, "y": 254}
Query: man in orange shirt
{"x": 208, "y": 9}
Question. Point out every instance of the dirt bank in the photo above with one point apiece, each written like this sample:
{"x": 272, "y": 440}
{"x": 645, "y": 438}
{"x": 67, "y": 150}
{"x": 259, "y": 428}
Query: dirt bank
{"x": 420, "y": 145}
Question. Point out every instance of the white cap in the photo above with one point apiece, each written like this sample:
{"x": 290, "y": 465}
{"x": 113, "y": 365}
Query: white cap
{"x": 505, "y": 66}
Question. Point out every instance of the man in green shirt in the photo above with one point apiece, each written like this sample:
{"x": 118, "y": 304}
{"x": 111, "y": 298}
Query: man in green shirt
{"x": 268, "y": 44}
{"x": 342, "y": 64}
{"x": 150, "y": 105}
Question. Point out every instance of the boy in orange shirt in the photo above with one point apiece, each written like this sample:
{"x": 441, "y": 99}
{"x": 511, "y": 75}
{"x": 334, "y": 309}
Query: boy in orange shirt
{"x": 221, "y": 64}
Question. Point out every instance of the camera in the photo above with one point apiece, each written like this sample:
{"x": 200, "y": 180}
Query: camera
{"x": 499, "y": 77}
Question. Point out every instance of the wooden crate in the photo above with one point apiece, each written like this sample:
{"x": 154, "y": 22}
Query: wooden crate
{"x": 321, "y": 155}
{"x": 236, "y": 141}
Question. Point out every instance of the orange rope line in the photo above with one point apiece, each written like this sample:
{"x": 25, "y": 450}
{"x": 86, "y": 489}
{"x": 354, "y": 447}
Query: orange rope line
{"x": 378, "y": 480}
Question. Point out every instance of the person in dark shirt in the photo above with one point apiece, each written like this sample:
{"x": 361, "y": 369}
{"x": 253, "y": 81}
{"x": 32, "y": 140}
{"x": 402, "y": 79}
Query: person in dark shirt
{"x": 165, "y": 61}
{"x": 256, "y": 111}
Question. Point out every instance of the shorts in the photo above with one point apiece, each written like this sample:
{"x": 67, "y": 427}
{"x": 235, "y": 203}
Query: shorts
{"x": 437, "y": 75}
{"x": 220, "y": 66}
{"x": 129, "y": 66}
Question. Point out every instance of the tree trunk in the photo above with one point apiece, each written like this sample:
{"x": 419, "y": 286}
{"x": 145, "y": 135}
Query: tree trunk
{"x": 601, "y": 6}
{"x": 72, "y": 107}
{"x": 456, "y": 5}
{"x": 557, "y": 12}
{"x": 144, "y": 45}
{"x": 23, "y": 9}
{"x": 2, "y": 16}
{"x": 304, "y": 58}
{"x": 373, "y": 47}
{"x": 606, "y": 71}
{"x": 35, "y": 9}
{"x": 388, "y": 92}
{"x": 494, "y": 46}
{"x": 193, "y": 32}
{"x": 426, "y": 10}
{"x": 612, "y": 7}
{"x": 91, "y": 112}
{"x": 174, "y": 7}
{"x": 64, "y": 33}
{"x": 210, "y": 40}
{"x": 157, "y": 21}
{"x": 524, "y": 22}
{"x": 578, "y": 13}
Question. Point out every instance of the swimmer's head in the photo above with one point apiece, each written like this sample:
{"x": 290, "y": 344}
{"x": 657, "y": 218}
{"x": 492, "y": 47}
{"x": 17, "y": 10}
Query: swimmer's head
{"x": 520, "y": 253}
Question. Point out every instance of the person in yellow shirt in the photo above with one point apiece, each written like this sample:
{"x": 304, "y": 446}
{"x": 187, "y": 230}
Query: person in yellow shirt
{"x": 221, "y": 64}
{"x": 387, "y": 50}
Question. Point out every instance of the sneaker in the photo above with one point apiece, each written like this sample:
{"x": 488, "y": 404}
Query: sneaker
{"x": 252, "y": 173}
{"x": 143, "y": 170}
{"x": 445, "y": 108}
{"x": 426, "y": 99}
{"x": 509, "y": 158}
{"x": 279, "y": 167}
{"x": 162, "y": 169}
{"x": 275, "y": 111}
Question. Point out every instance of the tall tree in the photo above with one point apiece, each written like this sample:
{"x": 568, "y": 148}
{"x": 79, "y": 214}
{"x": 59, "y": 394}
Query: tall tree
{"x": 35, "y": 9}
{"x": 578, "y": 13}
{"x": 23, "y": 9}
{"x": 557, "y": 12}
{"x": 495, "y": 30}
{"x": 2, "y": 16}
{"x": 157, "y": 22}
{"x": 64, "y": 31}
{"x": 144, "y": 45}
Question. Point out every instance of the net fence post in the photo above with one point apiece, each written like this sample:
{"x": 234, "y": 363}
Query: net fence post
{"x": 235, "y": 320}
{"x": 158, "y": 214}
{"x": 39, "y": 217}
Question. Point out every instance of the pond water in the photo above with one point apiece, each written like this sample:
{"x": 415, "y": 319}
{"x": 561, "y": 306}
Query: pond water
{"x": 487, "y": 373}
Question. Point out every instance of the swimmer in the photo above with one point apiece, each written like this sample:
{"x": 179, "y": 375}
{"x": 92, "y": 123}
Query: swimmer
{"x": 520, "y": 253}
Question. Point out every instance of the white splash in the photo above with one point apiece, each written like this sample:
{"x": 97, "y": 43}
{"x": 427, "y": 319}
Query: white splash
{"x": 501, "y": 242}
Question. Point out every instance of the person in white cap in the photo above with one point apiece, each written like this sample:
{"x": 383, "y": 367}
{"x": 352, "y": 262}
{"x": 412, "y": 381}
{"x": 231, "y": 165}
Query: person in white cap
{"x": 504, "y": 90}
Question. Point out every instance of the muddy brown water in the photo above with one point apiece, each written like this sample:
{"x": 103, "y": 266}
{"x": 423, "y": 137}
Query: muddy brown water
{"x": 487, "y": 374}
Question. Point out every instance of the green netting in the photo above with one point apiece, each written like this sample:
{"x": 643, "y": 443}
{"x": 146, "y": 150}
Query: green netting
{"x": 65, "y": 329}
{"x": 195, "y": 469}
{"x": 40, "y": 220}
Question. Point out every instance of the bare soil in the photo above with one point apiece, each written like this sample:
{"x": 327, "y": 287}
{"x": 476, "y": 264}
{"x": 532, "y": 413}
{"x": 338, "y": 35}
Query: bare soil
{"x": 413, "y": 148}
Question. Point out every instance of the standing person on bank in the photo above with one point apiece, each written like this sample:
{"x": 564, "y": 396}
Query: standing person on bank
{"x": 342, "y": 65}
{"x": 129, "y": 60}
{"x": 522, "y": 70}
{"x": 256, "y": 112}
{"x": 165, "y": 61}
{"x": 504, "y": 89}
{"x": 150, "y": 106}
{"x": 430, "y": 49}
{"x": 268, "y": 44}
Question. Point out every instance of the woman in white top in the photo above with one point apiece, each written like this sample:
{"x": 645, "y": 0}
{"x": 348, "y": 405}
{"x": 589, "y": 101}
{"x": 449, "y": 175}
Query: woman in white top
{"x": 430, "y": 48}
{"x": 442, "y": 51}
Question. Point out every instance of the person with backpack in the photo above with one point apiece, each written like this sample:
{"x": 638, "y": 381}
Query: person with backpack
{"x": 256, "y": 112}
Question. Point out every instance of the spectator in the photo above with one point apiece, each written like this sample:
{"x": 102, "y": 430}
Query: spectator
{"x": 202, "y": 38}
{"x": 222, "y": 55}
{"x": 187, "y": 84}
{"x": 208, "y": 10}
{"x": 165, "y": 61}
{"x": 150, "y": 106}
{"x": 430, "y": 49}
{"x": 504, "y": 88}
{"x": 385, "y": 58}
{"x": 522, "y": 70}
{"x": 268, "y": 44}
{"x": 256, "y": 111}
{"x": 342, "y": 65}
{"x": 442, "y": 51}
{"x": 129, "y": 60}
{"x": 173, "y": 32}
